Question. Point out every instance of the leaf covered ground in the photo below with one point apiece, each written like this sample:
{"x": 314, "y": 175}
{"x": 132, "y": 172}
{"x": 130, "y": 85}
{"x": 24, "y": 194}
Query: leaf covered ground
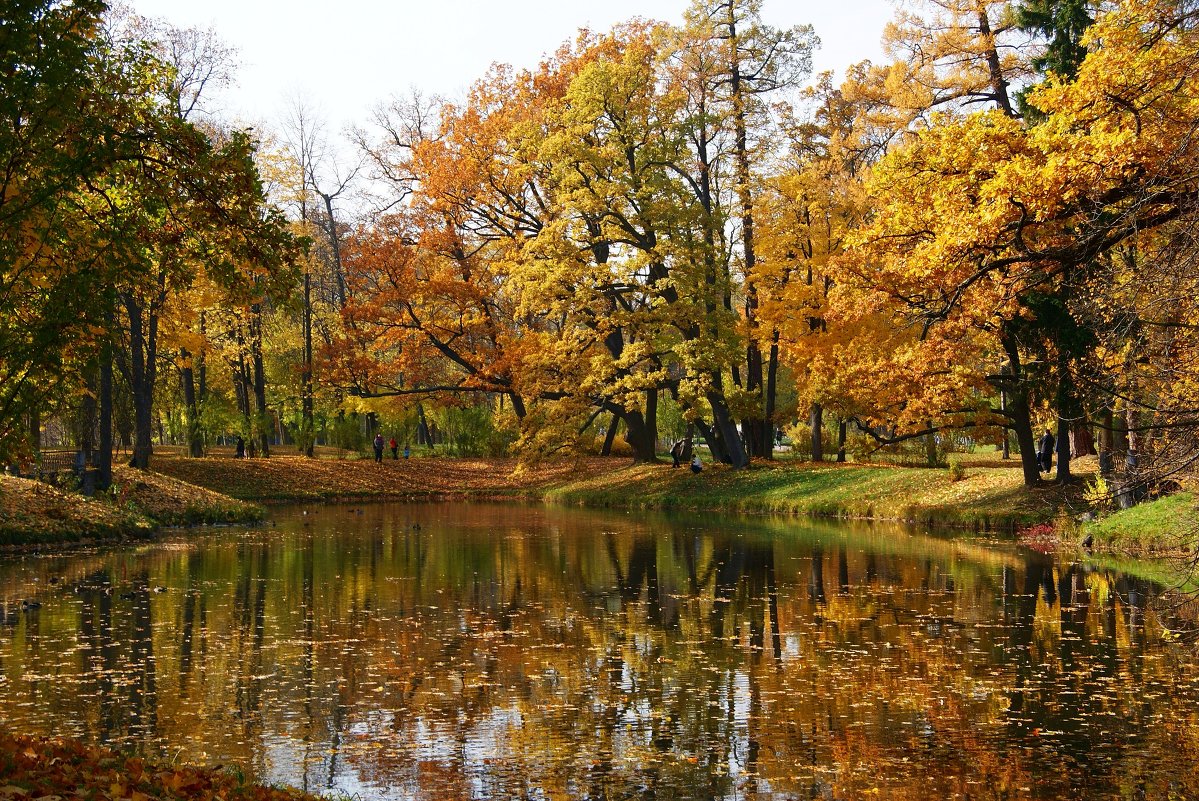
{"x": 32, "y": 512}
{"x": 294, "y": 478}
{"x": 37, "y": 769}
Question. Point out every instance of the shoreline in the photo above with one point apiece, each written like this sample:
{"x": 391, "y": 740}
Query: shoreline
{"x": 987, "y": 497}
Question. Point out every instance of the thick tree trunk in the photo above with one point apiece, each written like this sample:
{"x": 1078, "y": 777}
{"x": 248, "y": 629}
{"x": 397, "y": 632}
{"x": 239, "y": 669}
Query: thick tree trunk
{"x": 930, "y": 446}
{"x": 816, "y": 425}
{"x": 423, "y": 435}
{"x": 726, "y": 430}
{"x": 640, "y": 437}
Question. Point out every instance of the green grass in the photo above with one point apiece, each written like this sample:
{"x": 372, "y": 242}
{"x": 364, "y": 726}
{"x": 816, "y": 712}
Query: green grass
{"x": 1164, "y": 526}
{"x": 985, "y": 499}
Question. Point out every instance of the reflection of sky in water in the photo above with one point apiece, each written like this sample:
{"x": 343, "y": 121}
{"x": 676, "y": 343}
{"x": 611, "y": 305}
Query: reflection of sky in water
{"x": 496, "y": 651}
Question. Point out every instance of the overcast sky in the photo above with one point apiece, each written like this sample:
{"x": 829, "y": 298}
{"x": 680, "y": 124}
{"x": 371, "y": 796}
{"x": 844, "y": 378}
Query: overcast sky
{"x": 344, "y": 58}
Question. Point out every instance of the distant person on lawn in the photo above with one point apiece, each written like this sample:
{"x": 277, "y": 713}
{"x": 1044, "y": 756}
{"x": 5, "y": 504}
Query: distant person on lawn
{"x": 696, "y": 465}
{"x": 379, "y": 448}
{"x": 1045, "y": 451}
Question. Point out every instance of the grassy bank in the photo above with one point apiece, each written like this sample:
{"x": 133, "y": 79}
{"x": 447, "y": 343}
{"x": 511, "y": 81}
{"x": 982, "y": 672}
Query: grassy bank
{"x": 987, "y": 497}
{"x": 1165, "y": 527}
{"x": 33, "y": 513}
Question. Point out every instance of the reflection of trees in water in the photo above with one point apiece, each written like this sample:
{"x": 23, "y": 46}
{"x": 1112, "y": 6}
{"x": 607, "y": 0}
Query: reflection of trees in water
{"x": 629, "y": 662}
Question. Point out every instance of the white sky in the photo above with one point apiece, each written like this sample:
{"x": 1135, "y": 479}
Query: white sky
{"x": 344, "y": 58}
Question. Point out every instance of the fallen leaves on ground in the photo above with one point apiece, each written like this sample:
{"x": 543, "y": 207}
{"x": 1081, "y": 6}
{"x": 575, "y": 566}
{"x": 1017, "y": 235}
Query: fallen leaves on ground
{"x": 297, "y": 478}
{"x": 36, "y": 768}
{"x": 32, "y": 512}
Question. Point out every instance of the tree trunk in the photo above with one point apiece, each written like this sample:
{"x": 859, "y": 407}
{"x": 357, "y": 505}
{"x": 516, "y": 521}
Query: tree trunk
{"x": 754, "y": 426}
{"x": 35, "y": 427}
{"x": 195, "y": 436}
{"x": 335, "y": 244}
{"x": 1082, "y": 441}
{"x": 1018, "y": 412}
{"x": 1106, "y": 442}
{"x": 610, "y": 436}
{"x": 307, "y": 426}
{"x": 930, "y": 446}
{"x": 730, "y": 438}
{"x": 651, "y": 420}
{"x": 261, "y": 412}
{"x": 640, "y": 437}
{"x": 1065, "y": 413}
{"x": 423, "y": 436}
{"x": 139, "y": 366}
{"x": 103, "y": 457}
{"x": 772, "y": 373}
{"x": 842, "y": 431}
{"x": 203, "y": 360}
{"x": 816, "y": 424}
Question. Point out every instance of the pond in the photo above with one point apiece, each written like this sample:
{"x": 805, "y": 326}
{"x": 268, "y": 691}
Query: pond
{"x": 498, "y": 651}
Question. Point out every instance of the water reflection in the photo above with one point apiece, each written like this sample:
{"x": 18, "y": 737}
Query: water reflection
{"x": 483, "y": 651}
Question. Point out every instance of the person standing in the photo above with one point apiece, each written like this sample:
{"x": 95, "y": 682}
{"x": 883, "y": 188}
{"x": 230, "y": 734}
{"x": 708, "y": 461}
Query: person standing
{"x": 395, "y": 449}
{"x": 379, "y": 448}
{"x": 676, "y": 453}
{"x": 1045, "y": 451}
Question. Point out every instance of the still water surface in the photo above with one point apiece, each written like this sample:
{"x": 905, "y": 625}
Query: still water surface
{"x": 479, "y": 651}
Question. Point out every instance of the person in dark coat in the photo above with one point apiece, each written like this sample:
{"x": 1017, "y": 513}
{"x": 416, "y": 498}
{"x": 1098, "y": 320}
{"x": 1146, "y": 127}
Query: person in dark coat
{"x": 240, "y": 450}
{"x": 676, "y": 453}
{"x": 1045, "y": 451}
{"x": 379, "y": 448}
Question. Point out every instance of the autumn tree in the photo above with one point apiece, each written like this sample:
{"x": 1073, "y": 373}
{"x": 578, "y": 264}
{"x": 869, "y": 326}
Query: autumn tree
{"x": 752, "y": 63}
{"x": 54, "y": 115}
